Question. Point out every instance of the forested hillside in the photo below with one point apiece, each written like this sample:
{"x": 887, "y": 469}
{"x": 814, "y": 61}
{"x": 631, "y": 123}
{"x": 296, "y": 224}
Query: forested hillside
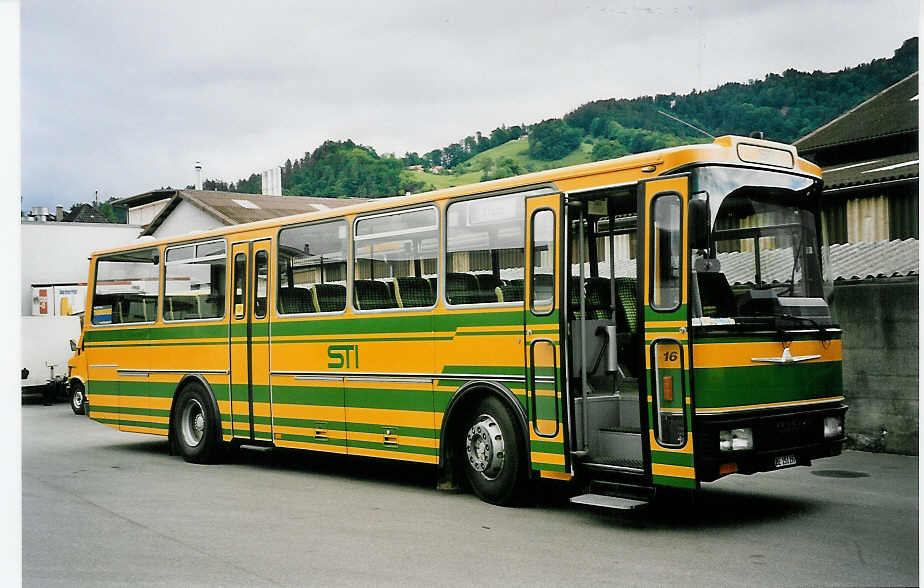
{"x": 783, "y": 106}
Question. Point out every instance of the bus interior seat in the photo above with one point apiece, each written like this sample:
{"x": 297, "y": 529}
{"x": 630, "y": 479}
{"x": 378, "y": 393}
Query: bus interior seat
{"x": 486, "y": 286}
{"x": 627, "y": 312}
{"x": 596, "y": 301}
{"x": 510, "y": 292}
{"x": 461, "y": 288}
{"x": 328, "y": 297}
{"x": 716, "y": 295}
{"x": 372, "y": 295}
{"x": 413, "y": 292}
{"x": 295, "y": 300}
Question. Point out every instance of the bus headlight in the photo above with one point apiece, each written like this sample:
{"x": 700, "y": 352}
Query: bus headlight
{"x": 834, "y": 427}
{"x": 736, "y": 440}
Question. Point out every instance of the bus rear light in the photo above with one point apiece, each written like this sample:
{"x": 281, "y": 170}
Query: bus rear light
{"x": 736, "y": 440}
{"x": 667, "y": 388}
{"x": 728, "y": 468}
{"x": 834, "y": 427}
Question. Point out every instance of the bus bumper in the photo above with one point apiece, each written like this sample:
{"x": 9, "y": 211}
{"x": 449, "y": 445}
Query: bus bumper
{"x": 781, "y": 439}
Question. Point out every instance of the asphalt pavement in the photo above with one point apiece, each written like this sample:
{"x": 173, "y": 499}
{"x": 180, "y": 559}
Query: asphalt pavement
{"x": 106, "y": 508}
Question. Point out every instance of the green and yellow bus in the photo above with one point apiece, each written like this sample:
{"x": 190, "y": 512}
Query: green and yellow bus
{"x": 658, "y": 320}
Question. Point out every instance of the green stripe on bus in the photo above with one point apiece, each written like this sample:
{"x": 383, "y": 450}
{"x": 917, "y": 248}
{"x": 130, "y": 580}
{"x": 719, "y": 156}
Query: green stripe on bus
{"x": 395, "y": 448}
{"x": 765, "y": 384}
{"x": 550, "y": 467}
{"x": 311, "y": 439}
{"x": 547, "y": 446}
{"x": 672, "y": 458}
{"x": 394, "y": 399}
{"x": 670, "y": 481}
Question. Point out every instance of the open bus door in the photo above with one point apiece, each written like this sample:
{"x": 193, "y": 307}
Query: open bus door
{"x": 542, "y": 293}
{"x": 663, "y": 265}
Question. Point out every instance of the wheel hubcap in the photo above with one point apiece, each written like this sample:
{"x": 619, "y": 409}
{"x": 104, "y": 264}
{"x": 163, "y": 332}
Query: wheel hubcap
{"x": 484, "y": 446}
{"x": 77, "y": 399}
{"x": 192, "y": 422}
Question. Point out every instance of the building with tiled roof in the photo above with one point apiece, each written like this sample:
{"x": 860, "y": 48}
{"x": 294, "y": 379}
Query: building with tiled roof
{"x": 85, "y": 213}
{"x": 869, "y": 160}
{"x": 169, "y": 212}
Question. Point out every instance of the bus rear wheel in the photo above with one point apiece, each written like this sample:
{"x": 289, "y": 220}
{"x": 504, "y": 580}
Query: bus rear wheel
{"x": 195, "y": 425}
{"x": 492, "y": 453}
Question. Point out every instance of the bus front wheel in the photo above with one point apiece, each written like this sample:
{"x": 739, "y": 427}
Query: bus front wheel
{"x": 195, "y": 425}
{"x": 78, "y": 400}
{"x": 492, "y": 453}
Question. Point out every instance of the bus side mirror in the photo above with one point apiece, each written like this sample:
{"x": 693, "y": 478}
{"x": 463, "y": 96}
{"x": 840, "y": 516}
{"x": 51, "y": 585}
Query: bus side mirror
{"x": 155, "y": 258}
{"x": 699, "y": 224}
{"x": 73, "y": 345}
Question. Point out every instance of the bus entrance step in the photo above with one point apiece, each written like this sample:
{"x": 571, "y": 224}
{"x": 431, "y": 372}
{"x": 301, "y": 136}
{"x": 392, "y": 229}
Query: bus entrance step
{"x": 611, "y": 502}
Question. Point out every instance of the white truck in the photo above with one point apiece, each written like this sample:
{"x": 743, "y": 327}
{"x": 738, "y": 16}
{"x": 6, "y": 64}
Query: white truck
{"x": 45, "y": 350}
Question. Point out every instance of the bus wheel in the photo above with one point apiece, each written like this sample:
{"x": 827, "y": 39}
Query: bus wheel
{"x": 492, "y": 456}
{"x": 194, "y": 425}
{"x": 77, "y": 398}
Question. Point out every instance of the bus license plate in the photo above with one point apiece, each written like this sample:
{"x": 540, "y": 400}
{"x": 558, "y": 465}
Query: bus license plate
{"x": 784, "y": 461}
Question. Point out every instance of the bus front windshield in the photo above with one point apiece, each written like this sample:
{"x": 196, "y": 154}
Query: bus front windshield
{"x": 764, "y": 255}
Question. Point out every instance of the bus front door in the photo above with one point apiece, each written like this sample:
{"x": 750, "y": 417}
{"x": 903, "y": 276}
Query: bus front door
{"x": 249, "y": 341}
{"x": 663, "y": 228}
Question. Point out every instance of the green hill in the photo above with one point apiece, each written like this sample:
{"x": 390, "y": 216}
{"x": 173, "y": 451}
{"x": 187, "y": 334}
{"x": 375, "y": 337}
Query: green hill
{"x": 783, "y": 106}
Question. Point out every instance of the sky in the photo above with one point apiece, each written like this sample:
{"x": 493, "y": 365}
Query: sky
{"x": 121, "y": 97}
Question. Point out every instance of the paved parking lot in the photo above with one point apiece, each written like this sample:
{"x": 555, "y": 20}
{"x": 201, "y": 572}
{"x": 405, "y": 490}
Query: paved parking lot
{"x": 102, "y": 507}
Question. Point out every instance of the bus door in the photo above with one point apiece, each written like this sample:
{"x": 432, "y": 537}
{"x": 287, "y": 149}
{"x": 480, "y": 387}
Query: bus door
{"x": 542, "y": 293}
{"x": 249, "y": 341}
{"x": 664, "y": 264}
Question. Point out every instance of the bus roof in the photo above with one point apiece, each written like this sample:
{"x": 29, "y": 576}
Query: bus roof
{"x": 727, "y": 149}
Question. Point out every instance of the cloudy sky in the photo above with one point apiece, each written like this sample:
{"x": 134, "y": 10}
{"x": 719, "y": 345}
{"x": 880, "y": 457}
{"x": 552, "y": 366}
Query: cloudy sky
{"x": 124, "y": 96}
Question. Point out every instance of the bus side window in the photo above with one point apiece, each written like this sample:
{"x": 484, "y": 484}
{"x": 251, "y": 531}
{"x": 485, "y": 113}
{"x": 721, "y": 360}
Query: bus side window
{"x": 484, "y": 250}
{"x": 312, "y": 268}
{"x": 194, "y": 281}
{"x": 394, "y": 257}
{"x": 126, "y": 284}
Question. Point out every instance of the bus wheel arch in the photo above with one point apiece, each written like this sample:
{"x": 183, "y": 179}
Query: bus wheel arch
{"x": 471, "y": 403}
{"x": 191, "y": 391}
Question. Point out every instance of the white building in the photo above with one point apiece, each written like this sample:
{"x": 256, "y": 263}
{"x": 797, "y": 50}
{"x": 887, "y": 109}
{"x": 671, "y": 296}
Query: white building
{"x": 166, "y": 213}
{"x": 58, "y": 252}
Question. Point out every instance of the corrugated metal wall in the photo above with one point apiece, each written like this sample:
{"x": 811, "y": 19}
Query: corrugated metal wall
{"x": 903, "y": 215}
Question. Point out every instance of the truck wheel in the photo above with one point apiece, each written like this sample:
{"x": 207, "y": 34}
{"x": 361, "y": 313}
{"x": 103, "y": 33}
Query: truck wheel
{"x": 195, "y": 425}
{"x": 492, "y": 453}
{"x": 78, "y": 400}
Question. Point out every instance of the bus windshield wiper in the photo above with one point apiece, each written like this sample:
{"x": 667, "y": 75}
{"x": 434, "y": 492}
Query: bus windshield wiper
{"x": 821, "y": 330}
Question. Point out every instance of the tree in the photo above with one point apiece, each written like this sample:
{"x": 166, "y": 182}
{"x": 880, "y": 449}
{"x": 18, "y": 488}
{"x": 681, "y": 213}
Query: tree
{"x": 608, "y": 150}
{"x": 553, "y": 139}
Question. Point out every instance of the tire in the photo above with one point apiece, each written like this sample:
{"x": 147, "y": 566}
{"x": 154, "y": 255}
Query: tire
{"x": 194, "y": 425}
{"x": 492, "y": 453}
{"x": 78, "y": 398}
